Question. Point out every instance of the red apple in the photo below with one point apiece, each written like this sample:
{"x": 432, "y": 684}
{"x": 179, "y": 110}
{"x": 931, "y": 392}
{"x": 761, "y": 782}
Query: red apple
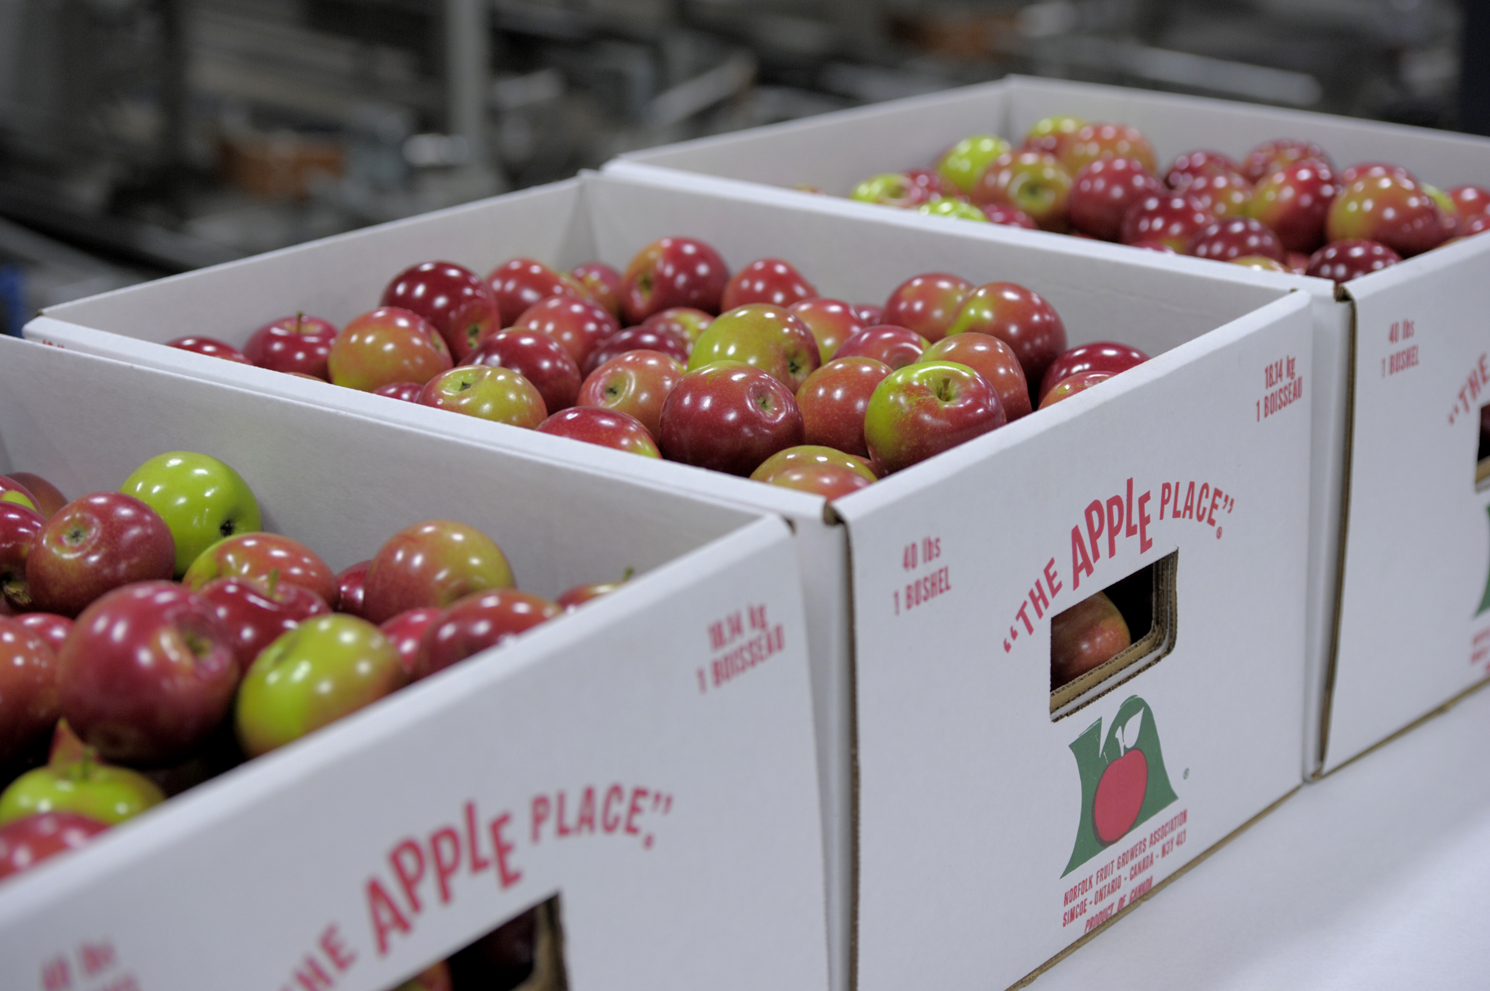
{"x": 265, "y": 558}
{"x": 386, "y": 345}
{"x": 923, "y": 410}
{"x": 578, "y": 324}
{"x": 19, "y": 528}
{"x": 728, "y": 416}
{"x": 833, "y": 399}
{"x": 830, "y": 321}
{"x": 487, "y": 393}
{"x": 432, "y": 564}
{"x": 869, "y": 314}
{"x": 580, "y": 594}
{"x": 1031, "y": 182}
{"x": 51, "y": 627}
{"x": 1224, "y": 194}
{"x": 1104, "y": 191}
{"x": 760, "y": 334}
{"x": 926, "y": 303}
{"x": 1260, "y": 263}
{"x": 1071, "y": 385}
{"x": 1119, "y": 796}
{"x": 668, "y": 341}
{"x": 537, "y": 357}
{"x": 675, "y": 271}
{"x": 1097, "y": 142}
{"x": 47, "y": 497}
{"x": 1019, "y": 317}
{"x": 686, "y": 320}
{"x": 1003, "y": 213}
{"x": 455, "y": 301}
{"x": 406, "y": 632}
{"x": 1085, "y": 636}
{"x": 607, "y": 428}
{"x": 1170, "y": 219}
{"x": 520, "y": 283}
{"x": 992, "y": 359}
{"x": 636, "y": 383}
{"x": 28, "y": 688}
{"x": 1159, "y": 246}
{"x": 1234, "y": 237}
{"x": 293, "y": 344}
{"x": 766, "y": 280}
{"x": 479, "y": 621}
{"x": 1052, "y": 134}
{"x": 894, "y": 346}
{"x": 254, "y": 614}
{"x": 209, "y": 346}
{"x": 1471, "y": 200}
{"x": 1272, "y": 155}
{"x": 351, "y": 588}
{"x": 26, "y": 842}
{"x": 1391, "y": 210}
{"x": 933, "y": 182}
{"x": 812, "y": 456}
{"x": 1362, "y": 170}
{"x": 1100, "y": 356}
{"x": 1293, "y": 200}
{"x": 406, "y": 391}
{"x": 1193, "y": 164}
{"x": 603, "y": 283}
{"x": 95, "y": 544}
{"x": 147, "y": 674}
{"x": 1350, "y": 259}
{"x": 828, "y": 481}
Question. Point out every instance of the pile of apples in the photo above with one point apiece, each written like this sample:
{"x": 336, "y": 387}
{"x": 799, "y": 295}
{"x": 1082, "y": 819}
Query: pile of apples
{"x": 752, "y": 374}
{"x": 157, "y": 637}
{"x": 1284, "y": 206}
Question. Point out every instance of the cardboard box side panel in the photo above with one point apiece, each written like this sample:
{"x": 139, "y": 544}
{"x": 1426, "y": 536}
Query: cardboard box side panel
{"x": 1413, "y": 620}
{"x": 340, "y": 277}
{"x": 723, "y": 853}
{"x": 835, "y": 151}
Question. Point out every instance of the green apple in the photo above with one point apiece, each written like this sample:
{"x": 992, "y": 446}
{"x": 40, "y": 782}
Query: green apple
{"x": 947, "y": 206}
{"x": 312, "y": 675}
{"x": 75, "y": 780}
{"x": 964, "y": 162}
{"x": 201, "y": 499}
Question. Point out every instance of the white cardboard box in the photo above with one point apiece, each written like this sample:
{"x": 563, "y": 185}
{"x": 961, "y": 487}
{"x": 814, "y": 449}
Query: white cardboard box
{"x": 1216, "y": 332}
{"x": 588, "y": 758}
{"x": 1397, "y": 622}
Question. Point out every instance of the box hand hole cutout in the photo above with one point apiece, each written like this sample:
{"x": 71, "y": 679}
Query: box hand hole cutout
{"x": 1111, "y": 636}
{"x": 524, "y": 953}
{"x": 1482, "y": 456}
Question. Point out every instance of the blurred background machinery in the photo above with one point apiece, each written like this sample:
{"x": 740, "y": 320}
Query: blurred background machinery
{"x": 143, "y": 137}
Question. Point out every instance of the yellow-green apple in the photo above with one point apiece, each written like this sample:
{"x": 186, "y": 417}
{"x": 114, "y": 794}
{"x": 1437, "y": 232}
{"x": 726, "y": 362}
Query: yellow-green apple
{"x": 728, "y": 416}
{"x": 811, "y": 455}
{"x": 833, "y": 399}
{"x": 577, "y": 596}
{"x": 351, "y": 588}
{"x": 992, "y": 359}
{"x": 486, "y": 392}
{"x": 93, "y": 545}
{"x": 895, "y": 189}
{"x": 1019, "y": 317}
{"x": 923, "y": 410}
{"x": 26, "y": 842}
{"x": 895, "y": 346}
{"x": 1094, "y": 142}
{"x": 1271, "y": 155}
{"x": 1293, "y": 200}
{"x": 690, "y": 322}
{"x": 200, "y": 498}
{"x": 766, "y": 280}
{"x": 1260, "y": 263}
{"x": 47, "y": 496}
{"x": 1350, "y": 259}
{"x": 254, "y": 614}
{"x": 603, "y": 283}
{"x": 406, "y": 632}
{"x": 1169, "y": 218}
{"x": 831, "y": 322}
{"x": 1099, "y": 356}
{"x": 1031, "y": 181}
{"x": 52, "y": 628}
{"x": 13, "y": 491}
{"x": 432, "y": 564}
{"x": 763, "y": 335}
{"x": 210, "y": 346}
{"x": 1233, "y": 237}
{"x": 1193, "y": 164}
{"x": 605, "y": 427}
{"x": 1390, "y": 210}
{"x": 828, "y": 481}
{"x": 636, "y": 383}
{"x": 667, "y": 340}
{"x": 1363, "y": 169}
{"x": 925, "y": 303}
{"x": 293, "y": 344}
{"x": 147, "y": 674}
{"x": 1103, "y": 192}
{"x": 1071, "y": 385}
{"x": 479, "y": 621}
{"x": 75, "y": 780}
{"x": 386, "y": 345}
{"x": 672, "y": 272}
{"x": 322, "y": 670}
{"x": 1087, "y": 635}
{"x": 1224, "y": 194}
{"x": 537, "y": 357}
{"x": 577, "y": 324}
{"x": 964, "y": 162}
{"x": 1051, "y": 134}
{"x": 19, "y": 528}
{"x": 519, "y": 283}
{"x": 947, "y": 206}
{"x": 404, "y": 391}
{"x": 28, "y": 688}
{"x": 455, "y": 300}
{"x": 264, "y": 558}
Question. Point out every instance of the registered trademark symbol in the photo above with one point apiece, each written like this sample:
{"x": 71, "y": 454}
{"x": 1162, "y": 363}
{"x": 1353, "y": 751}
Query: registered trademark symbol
{"x": 1218, "y": 533}
{"x": 1187, "y": 773}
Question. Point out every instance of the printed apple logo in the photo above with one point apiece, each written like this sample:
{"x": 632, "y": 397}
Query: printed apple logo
{"x": 1120, "y": 792}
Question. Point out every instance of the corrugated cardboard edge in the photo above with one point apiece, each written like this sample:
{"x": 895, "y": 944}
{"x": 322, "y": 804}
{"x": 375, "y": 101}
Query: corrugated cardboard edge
{"x": 1430, "y": 714}
{"x": 1327, "y": 696}
{"x": 1029, "y": 978}
{"x": 852, "y": 983}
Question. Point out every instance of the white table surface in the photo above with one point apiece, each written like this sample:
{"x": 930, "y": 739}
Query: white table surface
{"x": 1377, "y": 877}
